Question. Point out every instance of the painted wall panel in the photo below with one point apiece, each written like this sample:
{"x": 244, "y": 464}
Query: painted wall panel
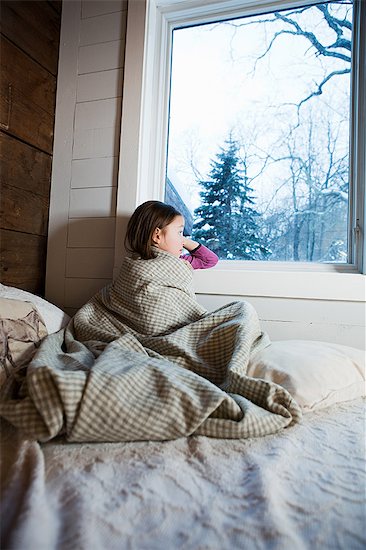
{"x": 341, "y": 322}
{"x": 94, "y": 143}
{"x": 103, "y": 29}
{"x": 97, "y": 114}
{"x": 100, "y": 85}
{"x": 305, "y": 284}
{"x": 94, "y": 172}
{"x": 78, "y": 291}
{"x": 101, "y": 57}
{"x": 97, "y": 127}
{"x": 93, "y": 263}
{"x": 89, "y": 118}
{"x": 61, "y": 167}
{"x": 91, "y": 233}
{"x": 99, "y": 7}
{"x": 346, "y": 335}
{"x": 92, "y": 202}
{"x": 309, "y": 311}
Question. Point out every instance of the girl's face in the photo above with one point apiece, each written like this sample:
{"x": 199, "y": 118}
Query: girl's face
{"x": 170, "y": 238}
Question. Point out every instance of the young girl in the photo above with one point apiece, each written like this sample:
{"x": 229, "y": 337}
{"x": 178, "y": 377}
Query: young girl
{"x": 153, "y": 293}
{"x": 156, "y": 225}
{"x": 154, "y": 323}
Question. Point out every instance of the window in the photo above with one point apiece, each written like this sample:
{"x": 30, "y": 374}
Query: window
{"x": 259, "y": 134}
{"x": 143, "y": 157}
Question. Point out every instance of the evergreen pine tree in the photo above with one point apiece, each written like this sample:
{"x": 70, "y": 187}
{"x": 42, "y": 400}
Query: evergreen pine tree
{"x": 227, "y": 221}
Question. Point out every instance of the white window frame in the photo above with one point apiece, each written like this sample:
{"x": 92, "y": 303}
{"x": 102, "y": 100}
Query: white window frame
{"x": 144, "y": 146}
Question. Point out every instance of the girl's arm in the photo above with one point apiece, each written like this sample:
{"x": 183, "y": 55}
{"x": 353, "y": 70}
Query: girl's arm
{"x": 200, "y": 257}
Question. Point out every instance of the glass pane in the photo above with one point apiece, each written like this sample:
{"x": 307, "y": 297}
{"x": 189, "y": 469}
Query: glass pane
{"x": 258, "y": 149}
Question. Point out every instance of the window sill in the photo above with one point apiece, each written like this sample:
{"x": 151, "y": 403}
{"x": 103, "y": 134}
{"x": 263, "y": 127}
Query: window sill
{"x": 331, "y": 282}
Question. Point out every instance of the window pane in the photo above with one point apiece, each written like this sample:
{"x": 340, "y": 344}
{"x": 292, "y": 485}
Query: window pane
{"x": 258, "y": 150}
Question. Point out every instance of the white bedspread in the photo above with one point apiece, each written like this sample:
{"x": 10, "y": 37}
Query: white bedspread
{"x": 298, "y": 489}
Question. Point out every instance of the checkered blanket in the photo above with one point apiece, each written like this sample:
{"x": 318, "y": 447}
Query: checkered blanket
{"x": 143, "y": 361}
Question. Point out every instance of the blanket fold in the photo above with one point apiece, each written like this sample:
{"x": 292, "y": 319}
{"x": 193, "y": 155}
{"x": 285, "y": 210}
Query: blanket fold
{"x": 142, "y": 360}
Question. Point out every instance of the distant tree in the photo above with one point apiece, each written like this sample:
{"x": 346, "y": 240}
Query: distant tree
{"x": 310, "y": 222}
{"x": 227, "y": 221}
{"x": 337, "y": 16}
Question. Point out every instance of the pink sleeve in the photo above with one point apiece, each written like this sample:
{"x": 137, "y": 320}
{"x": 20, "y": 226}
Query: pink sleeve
{"x": 201, "y": 258}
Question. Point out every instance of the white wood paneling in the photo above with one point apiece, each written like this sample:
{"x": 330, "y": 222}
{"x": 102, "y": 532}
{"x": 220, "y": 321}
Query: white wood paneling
{"x": 97, "y": 126}
{"x": 128, "y": 192}
{"x": 94, "y": 172}
{"x": 62, "y": 152}
{"x": 103, "y": 113}
{"x": 286, "y": 284}
{"x": 103, "y": 29}
{"x": 101, "y": 57}
{"x": 88, "y": 118}
{"x": 98, "y": 202}
{"x": 284, "y": 319}
{"x": 346, "y": 335}
{"x": 91, "y": 233}
{"x": 309, "y": 311}
{"x": 104, "y": 84}
{"x": 96, "y": 142}
{"x": 93, "y": 8}
{"x": 78, "y": 291}
{"x": 93, "y": 263}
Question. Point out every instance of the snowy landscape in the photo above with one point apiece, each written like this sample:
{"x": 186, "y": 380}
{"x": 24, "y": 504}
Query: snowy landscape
{"x": 259, "y": 133}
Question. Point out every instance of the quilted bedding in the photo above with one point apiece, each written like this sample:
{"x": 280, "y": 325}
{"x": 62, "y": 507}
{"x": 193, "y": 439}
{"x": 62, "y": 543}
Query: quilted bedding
{"x": 300, "y": 489}
{"x": 143, "y": 361}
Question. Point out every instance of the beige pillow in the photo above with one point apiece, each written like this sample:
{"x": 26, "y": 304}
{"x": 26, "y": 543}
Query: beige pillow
{"x": 21, "y": 330}
{"x": 317, "y": 374}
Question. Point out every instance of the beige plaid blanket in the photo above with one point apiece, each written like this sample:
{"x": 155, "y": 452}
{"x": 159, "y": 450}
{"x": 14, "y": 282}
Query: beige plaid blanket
{"x": 143, "y": 361}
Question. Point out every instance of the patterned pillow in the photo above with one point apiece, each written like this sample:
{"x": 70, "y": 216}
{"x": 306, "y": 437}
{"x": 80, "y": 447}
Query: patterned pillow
{"x": 21, "y": 330}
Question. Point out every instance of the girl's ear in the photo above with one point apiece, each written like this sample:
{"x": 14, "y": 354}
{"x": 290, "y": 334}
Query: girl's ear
{"x": 156, "y": 235}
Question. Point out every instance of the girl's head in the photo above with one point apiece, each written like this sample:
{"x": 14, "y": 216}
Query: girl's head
{"x": 154, "y": 223}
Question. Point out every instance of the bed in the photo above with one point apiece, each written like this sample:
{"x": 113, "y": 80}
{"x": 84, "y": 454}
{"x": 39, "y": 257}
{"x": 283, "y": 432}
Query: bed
{"x": 301, "y": 487}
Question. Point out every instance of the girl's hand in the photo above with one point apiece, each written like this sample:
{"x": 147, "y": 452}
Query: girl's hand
{"x": 189, "y": 244}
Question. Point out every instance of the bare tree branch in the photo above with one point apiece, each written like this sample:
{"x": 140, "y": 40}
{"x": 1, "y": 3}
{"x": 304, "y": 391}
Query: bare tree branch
{"x": 319, "y": 91}
{"x": 333, "y": 21}
{"x": 339, "y": 49}
{"x": 322, "y": 50}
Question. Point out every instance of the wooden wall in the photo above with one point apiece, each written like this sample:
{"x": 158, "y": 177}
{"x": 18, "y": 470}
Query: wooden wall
{"x": 337, "y": 321}
{"x": 86, "y": 151}
{"x": 30, "y": 32}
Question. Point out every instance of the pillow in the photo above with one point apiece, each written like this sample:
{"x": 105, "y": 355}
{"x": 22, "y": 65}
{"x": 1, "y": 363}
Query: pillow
{"x": 54, "y": 317}
{"x": 21, "y": 330}
{"x": 316, "y": 374}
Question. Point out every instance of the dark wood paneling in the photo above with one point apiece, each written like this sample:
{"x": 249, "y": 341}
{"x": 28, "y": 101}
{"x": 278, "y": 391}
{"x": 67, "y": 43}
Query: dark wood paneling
{"x": 35, "y": 28}
{"x": 21, "y": 117}
{"x": 24, "y": 167}
{"x": 22, "y": 210}
{"x": 27, "y": 77}
{"x": 30, "y": 33}
{"x": 21, "y": 256}
{"x": 56, "y": 5}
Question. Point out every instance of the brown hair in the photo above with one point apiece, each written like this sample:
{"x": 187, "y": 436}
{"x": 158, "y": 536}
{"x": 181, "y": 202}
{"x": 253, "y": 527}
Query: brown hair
{"x": 142, "y": 224}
